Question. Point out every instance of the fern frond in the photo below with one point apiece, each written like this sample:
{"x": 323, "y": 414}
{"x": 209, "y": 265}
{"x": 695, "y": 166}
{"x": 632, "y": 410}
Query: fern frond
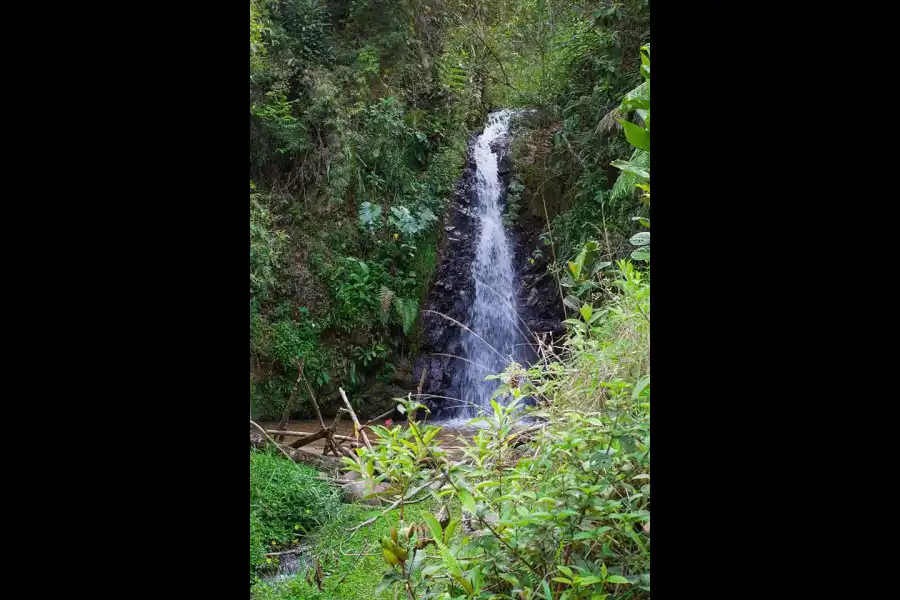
{"x": 406, "y": 312}
{"x": 624, "y": 185}
{"x": 453, "y": 76}
{"x": 610, "y": 122}
{"x": 384, "y": 297}
{"x": 410, "y": 314}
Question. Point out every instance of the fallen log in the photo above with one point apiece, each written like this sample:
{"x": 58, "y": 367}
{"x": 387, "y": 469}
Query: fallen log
{"x": 306, "y": 439}
{"x": 304, "y": 434}
{"x": 336, "y": 446}
{"x": 287, "y": 432}
{"x": 266, "y": 435}
{"x": 314, "y": 459}
{"x": 299, "y": 455}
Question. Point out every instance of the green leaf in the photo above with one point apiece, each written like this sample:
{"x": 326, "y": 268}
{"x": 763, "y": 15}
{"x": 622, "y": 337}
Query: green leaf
{"x": 586, "y": 311}
{"x": 642, "y": 383}
{"x": 589, "y": 580}
{"x": 417, "y": 561}
{"x": 636, "y": 135}
{"x": 633, "y": 168}
{"x": 562, "y": 580}
{"x": 640, "y": 239}
{"x": 547, "y": 594}
{"x": 369, "y": 213}
{"x": 642, "y": 254}
{"x": 451, "y": 528}
{"x": 617, "y": 579}
{"x": 433, "y": 525}
{"x": 454, "y": 569}
{"x": 599, "y": 596}
{"x": 572, "y": 302}
{"x": 389, "y": 557}
{"x": 467, "y": 501}
{"x": 565, "y": 570}
{"x": 389, "y": 579}
{"x": 599, "y": 266}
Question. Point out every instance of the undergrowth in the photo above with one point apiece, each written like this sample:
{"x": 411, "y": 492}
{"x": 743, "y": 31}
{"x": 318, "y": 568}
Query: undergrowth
{"x": 287, "y": 502}
{"x": 347, "y": 575}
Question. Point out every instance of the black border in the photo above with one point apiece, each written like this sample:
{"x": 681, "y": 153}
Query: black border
{"x": 715, "y": 354}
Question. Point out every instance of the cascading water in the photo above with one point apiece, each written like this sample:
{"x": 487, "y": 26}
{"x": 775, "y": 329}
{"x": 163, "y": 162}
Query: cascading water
{"x": 493, "y": 313}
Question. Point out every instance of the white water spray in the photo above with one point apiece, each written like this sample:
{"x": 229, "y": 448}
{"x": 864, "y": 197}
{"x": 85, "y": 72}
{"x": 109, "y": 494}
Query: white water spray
{"x": 493, "y": 315}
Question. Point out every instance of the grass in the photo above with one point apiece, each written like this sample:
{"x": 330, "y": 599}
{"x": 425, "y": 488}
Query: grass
{"x": 346, "y": 577}
{"x": 287, "y": 501}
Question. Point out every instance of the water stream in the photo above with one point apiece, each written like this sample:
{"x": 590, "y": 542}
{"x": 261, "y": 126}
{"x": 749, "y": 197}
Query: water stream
{"x": 493, "y": 313}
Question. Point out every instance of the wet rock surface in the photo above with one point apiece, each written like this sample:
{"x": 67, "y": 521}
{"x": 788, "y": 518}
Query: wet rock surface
{"x": 450, "y": 294}
{"x": 453, "y": 287}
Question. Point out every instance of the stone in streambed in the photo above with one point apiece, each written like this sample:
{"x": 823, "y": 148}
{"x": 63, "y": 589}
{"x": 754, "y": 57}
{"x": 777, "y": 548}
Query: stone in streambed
{"x": 361, "y": 492}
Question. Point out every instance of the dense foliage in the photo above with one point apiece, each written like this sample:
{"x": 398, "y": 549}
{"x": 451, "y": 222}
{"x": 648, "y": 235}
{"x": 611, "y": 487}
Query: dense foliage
{"x": 359, "y": 117}
{"x": 360, "y": 114}
{"x": 358, "y": 128}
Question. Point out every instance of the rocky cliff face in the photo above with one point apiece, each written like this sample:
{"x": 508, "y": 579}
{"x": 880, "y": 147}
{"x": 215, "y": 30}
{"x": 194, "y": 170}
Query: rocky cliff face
{"x": 451, "y": 294}
{"x": 453, "y": 287}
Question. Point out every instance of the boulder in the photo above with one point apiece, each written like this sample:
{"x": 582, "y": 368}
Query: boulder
{"x": 361, "y": 491}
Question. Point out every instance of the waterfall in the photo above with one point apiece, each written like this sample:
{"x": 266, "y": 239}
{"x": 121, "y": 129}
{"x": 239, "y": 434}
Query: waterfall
{"x": 492, "y": 314}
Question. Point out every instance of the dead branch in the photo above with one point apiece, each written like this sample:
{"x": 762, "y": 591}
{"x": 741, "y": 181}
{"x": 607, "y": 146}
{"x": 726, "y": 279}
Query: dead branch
{"x": 306, "y": 439}
{"x": 301, "y": 455}
{"x": 379, "y": 417}
{"x": 334, "y": 446}
{"x": 315, "y": 404}
{"x": 290, "y": 403}
{"x": 359, "y": 428}
{"x": 266, "y": 435}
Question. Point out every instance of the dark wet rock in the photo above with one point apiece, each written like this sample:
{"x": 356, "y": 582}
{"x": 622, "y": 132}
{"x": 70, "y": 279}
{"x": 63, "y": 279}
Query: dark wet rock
{"x": 504, "y": 166}
{"x": 453, "y": 286}
{"x": 381, "y": 396}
